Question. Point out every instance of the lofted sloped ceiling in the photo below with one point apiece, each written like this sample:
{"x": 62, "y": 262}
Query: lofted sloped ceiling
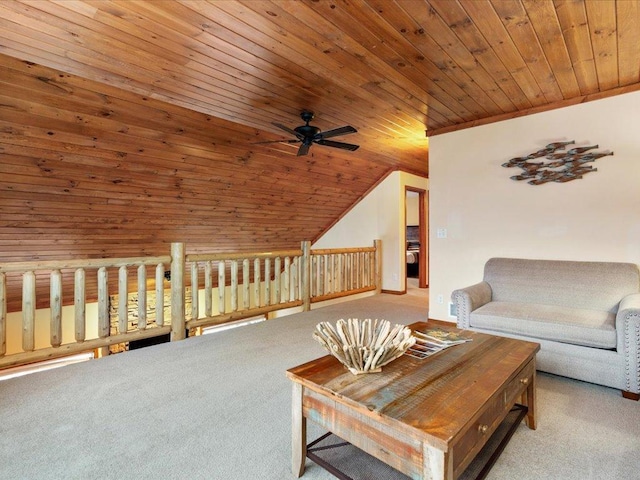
{"x": 125, "y": 125}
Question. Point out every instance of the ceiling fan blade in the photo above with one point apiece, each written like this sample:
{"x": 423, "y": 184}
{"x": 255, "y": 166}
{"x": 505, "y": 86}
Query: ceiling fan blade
{"x": 303, "y": 150}
{"x": 337, "y": 131}
{"x": 288, "y": 130}
{"x": 342, "y": 145}
{"x": 275, "y": 141}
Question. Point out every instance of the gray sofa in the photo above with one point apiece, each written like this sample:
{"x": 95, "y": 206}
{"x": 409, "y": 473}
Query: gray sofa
{"x": 584, "y": 315}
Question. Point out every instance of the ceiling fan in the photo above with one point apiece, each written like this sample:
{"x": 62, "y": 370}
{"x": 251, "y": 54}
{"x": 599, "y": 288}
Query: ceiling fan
{"x": 308, "y": 134}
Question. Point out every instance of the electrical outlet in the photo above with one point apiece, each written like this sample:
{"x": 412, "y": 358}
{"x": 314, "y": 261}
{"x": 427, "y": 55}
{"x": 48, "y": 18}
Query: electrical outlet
{"x": 440, "y": 298}
{"x": 441, "y": 233}
{"x": 453, "y": 311}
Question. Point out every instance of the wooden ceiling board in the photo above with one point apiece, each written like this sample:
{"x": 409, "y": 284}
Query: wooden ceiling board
{"x": 475, "y": 42}
{"x": 544, "y": 19}
{"x": 228, "y": 50}
{"x": 453, "y": 82}
{"x": 602, "y": 22}
{"x": 515, "y": 20}
{"x": 628, "y": 32}
{"x": 497, "y": 39}
{"x": 460, "y": 58}
{"x": 573, "y": 21}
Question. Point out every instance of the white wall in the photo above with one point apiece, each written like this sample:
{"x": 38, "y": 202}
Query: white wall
{"x": 43, "y": 327}
{"x": 413, "y": 209}
{"x": 380, "y": 215}
{"x": 487, "y": 214}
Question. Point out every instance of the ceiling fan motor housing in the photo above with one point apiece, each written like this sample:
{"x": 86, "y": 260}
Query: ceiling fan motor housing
{"x": 307, "y": 131}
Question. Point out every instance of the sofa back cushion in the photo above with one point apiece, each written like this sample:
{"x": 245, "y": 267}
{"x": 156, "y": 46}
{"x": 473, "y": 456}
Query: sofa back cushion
{"x": 586, "y": 285}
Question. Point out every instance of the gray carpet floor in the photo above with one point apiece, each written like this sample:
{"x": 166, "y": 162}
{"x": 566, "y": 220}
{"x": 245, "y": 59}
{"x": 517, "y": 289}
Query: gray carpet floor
{"x": 218, "y": 407}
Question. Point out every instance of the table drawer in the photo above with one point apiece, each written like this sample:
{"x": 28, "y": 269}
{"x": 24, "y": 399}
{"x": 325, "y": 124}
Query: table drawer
{"x": 519, "y": 384}
{"x": 473, "y": 439}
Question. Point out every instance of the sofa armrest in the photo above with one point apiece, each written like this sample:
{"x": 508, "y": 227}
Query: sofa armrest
{"x": 628, "y": 335}
{"x": 468, "y": 299}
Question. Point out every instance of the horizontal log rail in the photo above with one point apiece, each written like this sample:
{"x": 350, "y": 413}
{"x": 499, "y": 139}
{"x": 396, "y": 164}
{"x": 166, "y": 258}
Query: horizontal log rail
{"x": 86, "y": 264}
{"x": 225, "y": 287}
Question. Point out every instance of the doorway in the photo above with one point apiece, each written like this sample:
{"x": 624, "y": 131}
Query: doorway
{"x": 416, "y": 238}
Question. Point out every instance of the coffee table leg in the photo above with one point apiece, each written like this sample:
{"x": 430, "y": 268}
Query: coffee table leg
{"x": 298, "y": 432}
{"x": 529, "y": 399}
{"x": 437, "y": 464}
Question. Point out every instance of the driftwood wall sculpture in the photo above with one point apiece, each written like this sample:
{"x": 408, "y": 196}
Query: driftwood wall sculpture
{"x": 556, "y": 166}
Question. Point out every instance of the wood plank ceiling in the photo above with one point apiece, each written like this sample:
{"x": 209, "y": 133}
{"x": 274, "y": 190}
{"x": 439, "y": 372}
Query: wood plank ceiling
{"x": 126, "y": 124}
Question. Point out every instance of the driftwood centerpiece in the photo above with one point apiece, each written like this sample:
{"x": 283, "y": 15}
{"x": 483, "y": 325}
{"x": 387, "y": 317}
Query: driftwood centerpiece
{"x": 364, "y": 346}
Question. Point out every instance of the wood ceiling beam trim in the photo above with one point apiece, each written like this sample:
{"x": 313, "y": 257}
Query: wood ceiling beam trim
{"x": 544, "y": 108}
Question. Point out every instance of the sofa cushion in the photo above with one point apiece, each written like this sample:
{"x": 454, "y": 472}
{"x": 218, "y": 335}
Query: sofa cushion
{"x": 589, "y": 328}
{"x": 589, "y": 285}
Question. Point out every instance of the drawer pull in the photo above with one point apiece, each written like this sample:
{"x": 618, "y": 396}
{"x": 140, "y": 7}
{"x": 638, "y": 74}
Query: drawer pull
{"x": 483, "y": 428}
{"x": 524, "y": 381}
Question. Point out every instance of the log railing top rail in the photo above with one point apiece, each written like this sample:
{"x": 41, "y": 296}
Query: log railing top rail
{"x": 82, "y": 263}
{"x": 330, "y": 251}
{"x": 203, "y": 257}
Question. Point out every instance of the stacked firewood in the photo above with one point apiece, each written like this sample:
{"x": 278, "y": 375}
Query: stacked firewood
{"x": 364, "y": 346}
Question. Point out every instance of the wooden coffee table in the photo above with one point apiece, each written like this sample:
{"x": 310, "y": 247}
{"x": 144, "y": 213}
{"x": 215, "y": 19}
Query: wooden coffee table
{"x": 427, "y": 418}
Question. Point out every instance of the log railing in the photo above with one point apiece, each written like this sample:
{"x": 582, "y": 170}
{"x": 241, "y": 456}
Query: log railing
{"x": 80, "y": 269}
{"x": 344, "y": 271}
{"x": 258, "y": 283}
{"x": 225, "y": 287}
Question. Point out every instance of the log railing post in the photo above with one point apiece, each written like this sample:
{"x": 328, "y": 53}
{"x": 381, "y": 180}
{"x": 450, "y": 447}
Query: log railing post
{"x": 55, "y": 301}
{"x": 277, "y": 279}
{"x": 222, "y": 285}
{"x": 267, "y": 281}
{"x": 142, "y": 297}
{"x": 103, "y": 303}
{"x": 28, "y": 311}
{"x": 79, "y": 304}
{"x": 305, "y": 275}
{"x": 160, "y": 294}
{"x": 195, "y": 287}
{"x": 256, "y": 282}
{"x": 234, "y": 285}
{"x": 208, "y": 290}
{"x": 287, "y": 279}
{"x": 378, "y": 264}
{"x": 246, "y": 291}
{"x": 177, "y": 292}
{"x": 123, "y": 300}
{"x": 322, "y": 261}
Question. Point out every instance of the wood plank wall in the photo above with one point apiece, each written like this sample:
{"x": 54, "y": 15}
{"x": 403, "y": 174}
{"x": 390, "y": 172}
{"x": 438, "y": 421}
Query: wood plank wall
{"x": 91, "y": 171}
